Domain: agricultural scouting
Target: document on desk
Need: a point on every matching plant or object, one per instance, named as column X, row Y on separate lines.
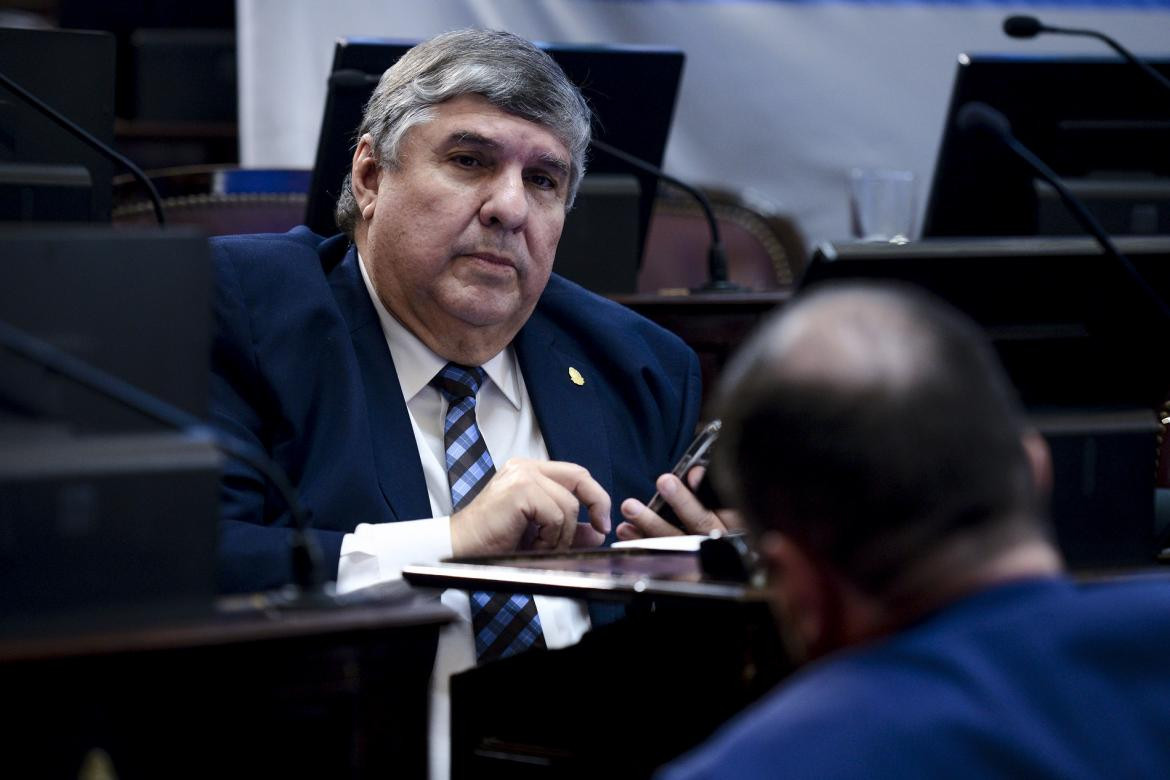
column 682, row 543
column 617, row 574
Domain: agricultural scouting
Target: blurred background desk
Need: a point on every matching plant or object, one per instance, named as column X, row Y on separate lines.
column 308, row 693
column 713, row 324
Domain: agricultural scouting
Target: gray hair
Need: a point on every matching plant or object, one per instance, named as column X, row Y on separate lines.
column 510, row 72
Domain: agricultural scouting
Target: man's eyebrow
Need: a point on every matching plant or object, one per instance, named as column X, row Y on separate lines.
column 471, row 138
column 556, row 163
column 474, row 139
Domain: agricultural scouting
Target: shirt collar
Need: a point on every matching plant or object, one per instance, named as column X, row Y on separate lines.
column 417, row 364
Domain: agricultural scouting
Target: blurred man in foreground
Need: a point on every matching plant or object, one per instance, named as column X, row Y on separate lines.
column 883, row 462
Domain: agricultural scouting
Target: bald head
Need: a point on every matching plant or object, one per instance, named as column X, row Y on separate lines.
column 870, row 424
column 852, row 339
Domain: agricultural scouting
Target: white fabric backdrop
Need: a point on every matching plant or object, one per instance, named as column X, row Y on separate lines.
column 779, row 97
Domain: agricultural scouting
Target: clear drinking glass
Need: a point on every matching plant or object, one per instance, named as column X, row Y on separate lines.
column 881, row 204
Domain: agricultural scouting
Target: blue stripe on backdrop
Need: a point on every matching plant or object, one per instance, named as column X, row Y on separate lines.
column 1153, row 5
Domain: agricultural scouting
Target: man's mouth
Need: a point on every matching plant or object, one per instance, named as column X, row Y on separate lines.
column 492, row 258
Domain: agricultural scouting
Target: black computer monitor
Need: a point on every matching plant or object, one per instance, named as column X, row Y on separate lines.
column 631, row 89
column 134, row 303
column 1072, row 329
column 105, row 514
column 46, row 173
column 1101, row 124
column 1084, row 348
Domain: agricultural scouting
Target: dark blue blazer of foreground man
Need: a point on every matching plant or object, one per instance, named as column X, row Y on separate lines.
column 300, row 368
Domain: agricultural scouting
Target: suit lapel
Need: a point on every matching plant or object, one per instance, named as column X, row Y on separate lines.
column 572, row 420
column 396, row 459
column 571, row 417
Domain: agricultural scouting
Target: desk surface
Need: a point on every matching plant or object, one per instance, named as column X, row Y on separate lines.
column 609, row 574
column 232, row 622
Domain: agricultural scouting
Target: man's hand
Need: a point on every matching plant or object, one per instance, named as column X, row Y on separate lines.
column 641, row 521
column 544, row 494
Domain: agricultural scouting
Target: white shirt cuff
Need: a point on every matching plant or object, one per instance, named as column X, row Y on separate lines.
column 376, row 552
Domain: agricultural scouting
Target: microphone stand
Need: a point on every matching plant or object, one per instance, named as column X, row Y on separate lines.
column 717, row 280
column 980, row 117
column 87, row 137
column 1030, row 27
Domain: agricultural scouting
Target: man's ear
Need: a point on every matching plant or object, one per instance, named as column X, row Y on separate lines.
column 1039, row 460
column 365, row 176
column 797, row 592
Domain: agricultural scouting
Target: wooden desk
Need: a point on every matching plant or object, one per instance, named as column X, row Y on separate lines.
column 314, row 693
column 691, row 652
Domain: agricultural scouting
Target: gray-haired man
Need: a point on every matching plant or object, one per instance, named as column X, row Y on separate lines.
column 426, row 382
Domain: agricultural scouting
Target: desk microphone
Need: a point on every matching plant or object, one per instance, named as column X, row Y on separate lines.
column 1030, row 27
column 717, row 280
column 88, row 138
column 978, row 117
column 307, row 567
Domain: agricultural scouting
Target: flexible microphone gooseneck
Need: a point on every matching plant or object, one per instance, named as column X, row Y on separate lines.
column 1030, row 27
column 100, row 146
column 717, row 280
column 981, row 118
column 307, row 565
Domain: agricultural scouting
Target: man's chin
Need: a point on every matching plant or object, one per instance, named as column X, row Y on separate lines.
column 485, row 311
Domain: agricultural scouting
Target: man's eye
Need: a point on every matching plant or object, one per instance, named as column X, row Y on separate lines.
column 466, row 161
column 542, row 181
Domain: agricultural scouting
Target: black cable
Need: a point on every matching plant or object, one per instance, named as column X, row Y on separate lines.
column 717, row 280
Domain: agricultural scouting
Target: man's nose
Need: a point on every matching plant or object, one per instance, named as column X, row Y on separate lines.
column 505, row 201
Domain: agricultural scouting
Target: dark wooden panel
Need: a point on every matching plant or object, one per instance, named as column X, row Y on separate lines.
column 314, row 693
column 712, row 324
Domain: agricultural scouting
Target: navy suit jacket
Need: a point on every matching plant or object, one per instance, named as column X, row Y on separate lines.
column 1030, row 679
column 300, row 369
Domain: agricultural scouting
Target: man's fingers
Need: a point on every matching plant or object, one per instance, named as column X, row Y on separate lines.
column 696, row 518
column 588, row 491
column 641, row 521
column 645, row 520
column 576, row 487
column 526, row 496
column 628, row 532
column 546, row 507
column 585, row 535
column 732, row 519
column 568, row 528
column 558, row 531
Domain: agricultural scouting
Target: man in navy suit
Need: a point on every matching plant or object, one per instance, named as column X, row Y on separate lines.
column 880, row 455
column 468, row 157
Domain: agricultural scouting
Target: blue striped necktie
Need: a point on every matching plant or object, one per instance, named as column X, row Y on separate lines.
column 504, row 624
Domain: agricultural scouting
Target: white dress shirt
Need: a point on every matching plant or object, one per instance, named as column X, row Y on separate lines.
column 376, row 553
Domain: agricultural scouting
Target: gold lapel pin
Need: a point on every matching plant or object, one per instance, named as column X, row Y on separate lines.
column 576, row 377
